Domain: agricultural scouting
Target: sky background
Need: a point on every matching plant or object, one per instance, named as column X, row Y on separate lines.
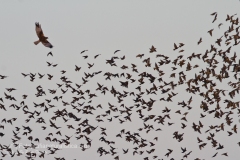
column 101, row 27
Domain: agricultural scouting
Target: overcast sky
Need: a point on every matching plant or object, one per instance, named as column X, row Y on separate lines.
column 101, row 27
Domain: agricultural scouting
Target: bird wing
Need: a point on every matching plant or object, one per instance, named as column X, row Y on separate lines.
column 47, row 44
column 39, row 30
column 51, row 122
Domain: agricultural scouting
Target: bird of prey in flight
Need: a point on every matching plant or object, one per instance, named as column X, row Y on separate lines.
column 41, row 36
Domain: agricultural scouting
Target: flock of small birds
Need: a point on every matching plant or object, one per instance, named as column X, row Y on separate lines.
column 85, row 115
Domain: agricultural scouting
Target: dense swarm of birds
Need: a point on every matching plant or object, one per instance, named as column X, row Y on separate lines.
column 71, row 113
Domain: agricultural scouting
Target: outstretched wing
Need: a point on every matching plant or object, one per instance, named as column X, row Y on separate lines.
column 47, row 44
column 39, row 30
column 52, row 124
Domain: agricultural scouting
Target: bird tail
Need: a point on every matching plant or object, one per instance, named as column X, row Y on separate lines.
column 36, row 42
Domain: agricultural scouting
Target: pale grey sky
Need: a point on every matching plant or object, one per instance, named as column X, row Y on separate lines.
column 101, row 27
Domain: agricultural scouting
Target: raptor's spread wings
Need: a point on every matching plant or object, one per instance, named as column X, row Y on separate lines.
column 39, row 30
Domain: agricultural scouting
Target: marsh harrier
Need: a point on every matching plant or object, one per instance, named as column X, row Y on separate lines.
column 41, row 36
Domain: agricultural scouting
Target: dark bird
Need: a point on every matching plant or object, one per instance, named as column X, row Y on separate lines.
column 140, row 55
column 53, row 125
column 2, row 134
column 90, row 65
column 152, row 49
column 210, row 32
column 215, row 155
column 50, row 54
column 96, row 56
column 83, row 51
column 77, row 68
column 175, row 47
column 183, row 150
column 225, row 154
column 2, row 77
column 116, row 51
column 125, row 151
column 200, row 41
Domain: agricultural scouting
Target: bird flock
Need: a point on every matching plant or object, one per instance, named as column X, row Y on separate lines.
column 136, row 110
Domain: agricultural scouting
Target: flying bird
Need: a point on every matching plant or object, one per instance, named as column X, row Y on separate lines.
column 152, row 49
column 41, row 37
column 50, row 53
column 116, row 51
